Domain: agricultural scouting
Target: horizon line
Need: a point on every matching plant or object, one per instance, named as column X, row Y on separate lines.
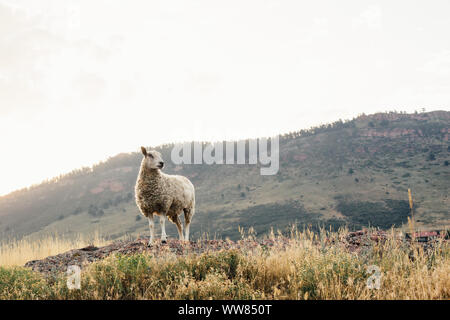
column 107, row 158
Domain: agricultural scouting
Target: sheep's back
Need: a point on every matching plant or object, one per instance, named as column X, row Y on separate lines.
column 181, row 189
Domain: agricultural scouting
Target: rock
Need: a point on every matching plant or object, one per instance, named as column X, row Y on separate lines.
column 84, row 256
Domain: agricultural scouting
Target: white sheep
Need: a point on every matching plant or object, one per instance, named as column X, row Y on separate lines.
column 164, row 195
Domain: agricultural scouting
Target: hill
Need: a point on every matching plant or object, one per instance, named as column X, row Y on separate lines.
column 353, row 173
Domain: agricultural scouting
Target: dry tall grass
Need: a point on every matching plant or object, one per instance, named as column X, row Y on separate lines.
column 18, row 252
column 306, row 270
column 309, row 267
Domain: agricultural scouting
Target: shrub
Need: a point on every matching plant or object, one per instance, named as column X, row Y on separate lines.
column 20, row 283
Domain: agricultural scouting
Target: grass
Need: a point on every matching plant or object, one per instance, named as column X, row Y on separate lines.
column 305, row 269
column 18, row 252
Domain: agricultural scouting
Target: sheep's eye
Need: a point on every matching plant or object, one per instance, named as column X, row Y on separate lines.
column 150, row 155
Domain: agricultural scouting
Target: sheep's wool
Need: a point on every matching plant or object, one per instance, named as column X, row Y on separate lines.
column 163, row 194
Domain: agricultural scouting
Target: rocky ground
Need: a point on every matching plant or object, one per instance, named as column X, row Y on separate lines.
column 353, row 241
column 84, row 256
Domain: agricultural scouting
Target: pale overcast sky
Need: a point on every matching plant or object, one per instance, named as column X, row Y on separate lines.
column 84, row 80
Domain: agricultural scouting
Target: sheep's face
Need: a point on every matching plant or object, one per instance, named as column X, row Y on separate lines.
column 152, row 158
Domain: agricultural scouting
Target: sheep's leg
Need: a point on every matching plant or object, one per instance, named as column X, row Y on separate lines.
column 186, row 231
column 188, row 213
column 151, row 226
column 162, row 221
column 180, row 228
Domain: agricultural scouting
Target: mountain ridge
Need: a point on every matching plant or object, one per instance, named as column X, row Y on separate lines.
column 375, row 158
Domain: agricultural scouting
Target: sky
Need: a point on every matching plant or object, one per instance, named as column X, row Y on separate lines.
column 81, row 81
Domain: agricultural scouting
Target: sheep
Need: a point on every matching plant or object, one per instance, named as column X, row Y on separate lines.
column 164, row 195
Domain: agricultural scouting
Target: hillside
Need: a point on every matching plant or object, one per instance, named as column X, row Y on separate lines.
column 351, row 173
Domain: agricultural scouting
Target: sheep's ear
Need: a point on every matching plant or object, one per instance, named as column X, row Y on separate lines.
column 144, row 151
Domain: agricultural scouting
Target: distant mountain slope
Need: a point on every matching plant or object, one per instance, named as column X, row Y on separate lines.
column 347, row 173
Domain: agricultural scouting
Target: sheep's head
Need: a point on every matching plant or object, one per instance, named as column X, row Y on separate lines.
column 152, row 158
